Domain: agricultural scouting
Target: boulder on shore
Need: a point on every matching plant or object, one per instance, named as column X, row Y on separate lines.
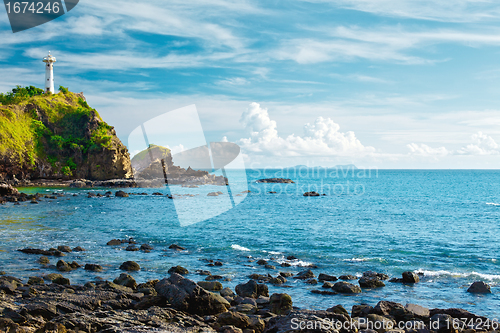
column 185, row 295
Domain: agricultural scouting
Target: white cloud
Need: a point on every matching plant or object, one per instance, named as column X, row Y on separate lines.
column 321, row 138
column 437, row 10
column 425, row 150
column 482, row 144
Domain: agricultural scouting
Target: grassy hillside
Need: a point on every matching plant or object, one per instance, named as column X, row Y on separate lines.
column 57, row 135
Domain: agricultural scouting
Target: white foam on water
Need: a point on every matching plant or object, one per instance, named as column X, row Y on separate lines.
column 296, row 262
column 271, row 252
column 489, row 277
column 493, row 204
column 239, row 248
column 364, row 259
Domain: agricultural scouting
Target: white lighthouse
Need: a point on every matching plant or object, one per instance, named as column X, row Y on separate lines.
column 49, row 73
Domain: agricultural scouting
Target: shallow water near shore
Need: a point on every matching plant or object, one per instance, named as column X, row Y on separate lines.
column 444, row 224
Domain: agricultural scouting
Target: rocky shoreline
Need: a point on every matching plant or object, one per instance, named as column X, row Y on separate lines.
column 49, row 302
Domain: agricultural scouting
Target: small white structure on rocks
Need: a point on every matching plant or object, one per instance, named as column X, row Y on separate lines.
column 49, row 73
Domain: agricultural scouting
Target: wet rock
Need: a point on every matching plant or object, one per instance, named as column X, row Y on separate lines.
column 8, row 285
column 178, row 270
column 146, row 247
column 64, row 248
column 45, row 310
column 270, row 266
column 311, row 194
column 418, row 311
column 51, row 327
column 381, row 323
column 479, row 287
column 121, row 194
column 326, row 277
column 35, row 280
column 227, row 292
column 214, row 277
column 62, row 281
column 370, row 282
column 380, row 276
column 63, row 266
column 218, row 263
column 132, row 248
column 281, row 304
column 114, row 242
column 252, row 289
column 235, row 319
column 327, row 285
column 286, row 274
column 44, row 260
column 126, row 280
column 211, row 285
column 93, row 267
column 278, row 280
column 176, row 247
column 262, row 262
column 130, row 266
column 338, row 309
column 361, row 310
column 311, row 281
column 347, row 277
column 307, row 274
column 346, row 288
column 186, row 295
column 410, row 277
column 52, row 276
column 75, row 265
column 79, row 249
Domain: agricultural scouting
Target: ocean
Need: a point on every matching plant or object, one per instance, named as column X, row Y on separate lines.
column 444, row 224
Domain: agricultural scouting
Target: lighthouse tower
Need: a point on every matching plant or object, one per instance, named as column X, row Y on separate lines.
column 49, row 73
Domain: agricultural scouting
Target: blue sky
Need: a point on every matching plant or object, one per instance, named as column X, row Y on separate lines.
column 378, row 83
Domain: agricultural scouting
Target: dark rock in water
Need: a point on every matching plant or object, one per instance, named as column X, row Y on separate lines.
column 227, row 292
column 327, row 285
column 380, row 276
column 311, row 281
column 286, row 274
column 326, row 277
column 114, row 242
column 213, row 277
column 93, row 267
column 346, row 288
column 262, row 262
column 347, row 277
column 304, row 275
column 63, row 266
column 291, row 258
column 178, row 270
column 218, row 263
column 270, row 266
column 35, row 280
column 75, row 265
column 311, row 194
column 275, row 180
column 125, row 280
column 210, row 285
column 479, row 287
column 252, row 289
column 132, row 248
column 410, row 277
column 79, row 249
column 285, row 264
column 281, row 304
column 121, row 194
column 203, row 272
column 146, row 247
column 130, row 266
column 51, row 252
column 176, row 247
column 278, row 280
column 386, row 308
column 186, row 295
column 52, row 276
column 44, row 260
column 62, row 281
column 370, row 282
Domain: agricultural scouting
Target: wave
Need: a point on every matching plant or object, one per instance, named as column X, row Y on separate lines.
column 272, row 252
column 296, row 262
column 493, row 204
column 365, row 259
column 239, row 248
column 489, row 277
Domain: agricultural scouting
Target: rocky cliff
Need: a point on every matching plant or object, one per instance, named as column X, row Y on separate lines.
column 57, row 136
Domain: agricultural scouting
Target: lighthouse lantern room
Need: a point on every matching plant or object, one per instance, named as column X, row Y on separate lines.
column 49, row 73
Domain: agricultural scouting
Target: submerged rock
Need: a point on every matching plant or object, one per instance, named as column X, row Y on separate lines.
column 130, row 266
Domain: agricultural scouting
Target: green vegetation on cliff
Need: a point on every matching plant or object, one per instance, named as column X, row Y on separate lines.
column 53, row 135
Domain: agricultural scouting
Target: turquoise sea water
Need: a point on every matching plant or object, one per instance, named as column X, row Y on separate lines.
column 445, row 224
